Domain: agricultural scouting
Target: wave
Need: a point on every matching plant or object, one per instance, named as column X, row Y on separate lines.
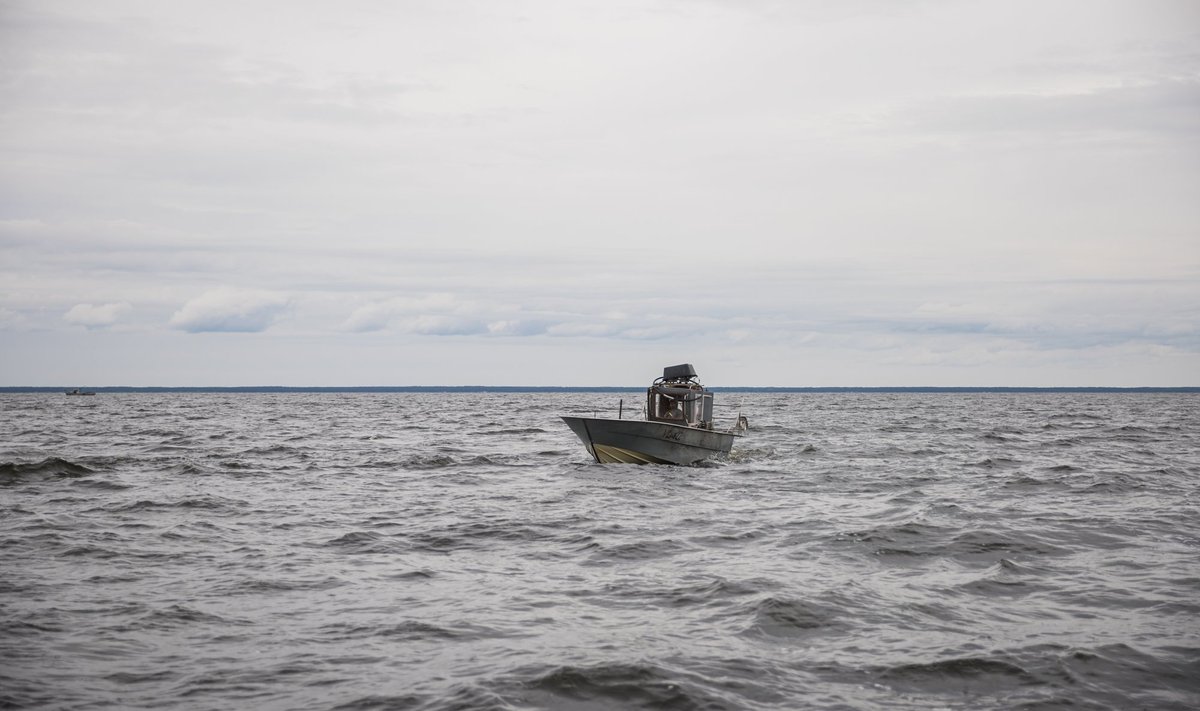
column 907, row 538
column 514, row 431
column 48, row 468
column 113, row 579
column 714, row 591
column 275, row 451
column 398, row 702
column 460, row 537
column 156, row 432
column 409, row 630
column 259, row 586
column 1004, row 578
column 1064, row 468
column 616, row 685
column 787, row 617
column 1114, row 483
column 91, row 551
column 415, row 575
column 102, row 485
column 995, row 436
column 998, row 463
column 1172, row 670
column 1076, row 416
column 209, row 503
column 1034, row 484
column 131, row 678
column 19, row 692
column 428, row 461
column 1112, row 676
column 10, row 629
column 639, row 550
column 728, row 539
column 188, row 469
column 921, row 540
column 962, row 675
column 988, row 543
column 181, row 615
column 364, row 542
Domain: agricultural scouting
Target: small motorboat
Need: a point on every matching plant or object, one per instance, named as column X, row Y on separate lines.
column 77, row 391
column 677, row 429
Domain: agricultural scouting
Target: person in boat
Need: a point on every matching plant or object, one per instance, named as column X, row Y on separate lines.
column 672, row 411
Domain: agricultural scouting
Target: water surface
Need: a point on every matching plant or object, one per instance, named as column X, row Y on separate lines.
column 441, row 551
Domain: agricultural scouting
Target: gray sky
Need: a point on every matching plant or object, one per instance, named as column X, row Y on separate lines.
column 551, row 192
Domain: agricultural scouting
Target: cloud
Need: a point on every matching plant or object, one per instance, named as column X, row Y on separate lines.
column 95, row 316
column 230, row 310
column 1165, row 109
column 447, row 314
column 372, row 317
column 447, row 326
column 378, row 315
column 9, row 318
column 517, row 328
column 582, row 330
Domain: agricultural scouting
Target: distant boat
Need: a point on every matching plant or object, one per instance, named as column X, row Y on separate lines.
column 77, row 391
column 678, row 428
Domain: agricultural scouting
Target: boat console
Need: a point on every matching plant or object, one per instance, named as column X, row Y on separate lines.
column 677, row 397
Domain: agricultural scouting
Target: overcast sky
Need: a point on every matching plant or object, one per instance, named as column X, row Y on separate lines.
column 551, row 192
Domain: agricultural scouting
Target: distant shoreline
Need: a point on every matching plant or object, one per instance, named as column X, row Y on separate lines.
column 116, row 389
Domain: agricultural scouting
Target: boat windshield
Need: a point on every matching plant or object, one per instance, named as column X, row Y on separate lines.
column 689, row 404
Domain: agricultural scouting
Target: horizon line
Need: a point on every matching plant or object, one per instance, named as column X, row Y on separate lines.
column 17, row 389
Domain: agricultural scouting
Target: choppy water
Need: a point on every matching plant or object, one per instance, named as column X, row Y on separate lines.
column 426, row 551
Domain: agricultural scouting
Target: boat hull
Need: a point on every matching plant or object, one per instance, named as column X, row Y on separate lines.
column 639, row 442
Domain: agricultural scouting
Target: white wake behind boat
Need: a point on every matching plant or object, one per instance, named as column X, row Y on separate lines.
column 678, row 427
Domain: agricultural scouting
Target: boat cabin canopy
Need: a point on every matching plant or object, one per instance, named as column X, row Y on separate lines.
column 676, row 397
